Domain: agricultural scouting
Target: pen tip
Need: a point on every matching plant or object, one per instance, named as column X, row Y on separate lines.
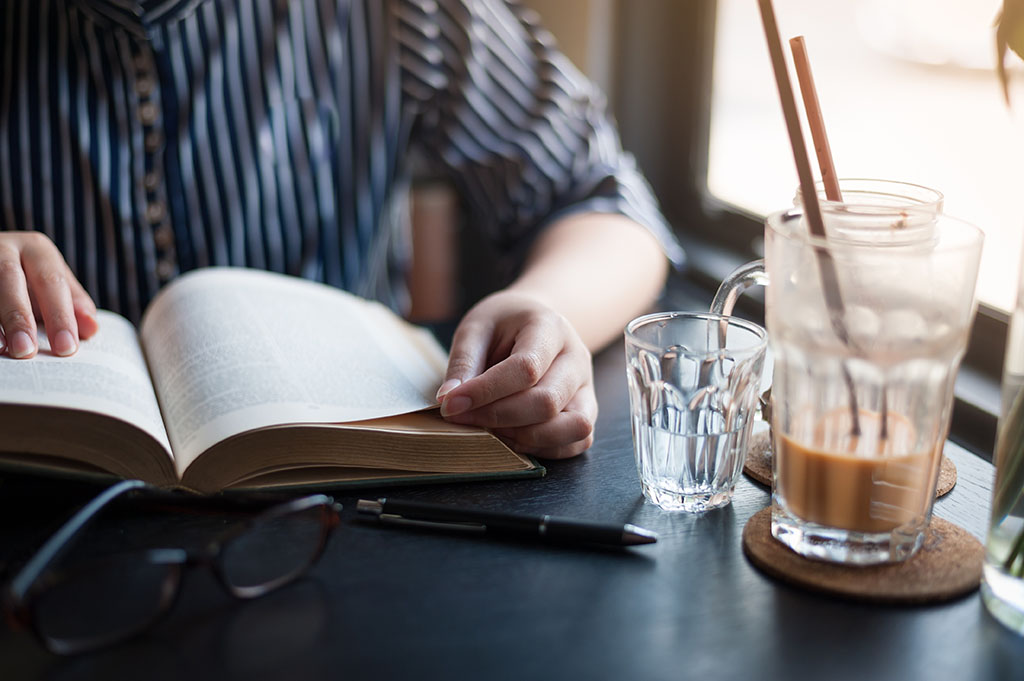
column 631, row 534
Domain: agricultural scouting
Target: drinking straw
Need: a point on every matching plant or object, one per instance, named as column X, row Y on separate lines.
column 796, row 135
column 812, row 209
column 815, row 120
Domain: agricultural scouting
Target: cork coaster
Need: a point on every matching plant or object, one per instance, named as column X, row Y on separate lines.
column 946, row 567
column 758, row 464
column 947, row 476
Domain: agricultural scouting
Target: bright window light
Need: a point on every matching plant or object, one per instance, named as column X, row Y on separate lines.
column 908, row 91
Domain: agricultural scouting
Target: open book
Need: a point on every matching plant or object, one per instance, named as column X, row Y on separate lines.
column 239, row 379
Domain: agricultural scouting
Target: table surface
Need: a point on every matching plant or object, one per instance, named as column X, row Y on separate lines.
column 390, row 603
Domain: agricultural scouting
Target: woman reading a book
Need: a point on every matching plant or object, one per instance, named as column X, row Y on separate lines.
column 137, row 144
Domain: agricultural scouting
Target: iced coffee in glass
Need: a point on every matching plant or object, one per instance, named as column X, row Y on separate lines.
column 867, row 328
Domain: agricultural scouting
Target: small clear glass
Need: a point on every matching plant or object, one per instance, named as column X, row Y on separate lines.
column 693, row 382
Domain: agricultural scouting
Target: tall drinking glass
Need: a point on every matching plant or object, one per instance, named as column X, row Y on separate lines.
column 867, row 328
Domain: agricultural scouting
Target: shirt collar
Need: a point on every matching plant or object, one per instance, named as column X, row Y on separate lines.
column 138, row 16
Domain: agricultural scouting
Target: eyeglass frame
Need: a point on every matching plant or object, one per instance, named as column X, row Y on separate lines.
column 33, row 580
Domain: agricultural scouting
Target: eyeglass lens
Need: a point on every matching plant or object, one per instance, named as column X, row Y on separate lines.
column 272, row 551
column 105, row 602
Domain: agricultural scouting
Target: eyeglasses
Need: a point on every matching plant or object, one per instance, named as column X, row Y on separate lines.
column 111, row 599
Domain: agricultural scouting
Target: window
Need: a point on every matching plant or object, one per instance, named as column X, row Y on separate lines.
column 908, row 90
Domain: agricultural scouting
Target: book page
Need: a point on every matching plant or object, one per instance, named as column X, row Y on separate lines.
column 107, row 375
column 233, row 350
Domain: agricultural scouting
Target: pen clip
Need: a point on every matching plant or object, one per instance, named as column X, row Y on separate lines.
column 394, row 519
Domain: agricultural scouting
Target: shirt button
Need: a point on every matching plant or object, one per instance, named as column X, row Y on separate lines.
column 155, row 212
column 164, row 269
column 151, row 181
column 148, row 113
column 144, row 86
column 154, row 140
column 163, row 237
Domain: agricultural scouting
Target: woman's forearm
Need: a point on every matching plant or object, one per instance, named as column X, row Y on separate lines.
column 598, row 270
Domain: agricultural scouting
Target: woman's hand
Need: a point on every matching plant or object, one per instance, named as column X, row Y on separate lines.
column 36, row 282
column 519, row 368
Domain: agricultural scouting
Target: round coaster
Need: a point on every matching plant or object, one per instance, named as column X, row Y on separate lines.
column 947, row 566
column 758, row 464
column 947, row 476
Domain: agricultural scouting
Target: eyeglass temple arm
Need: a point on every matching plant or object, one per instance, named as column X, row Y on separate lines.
column 58, row 544
column 225, row 502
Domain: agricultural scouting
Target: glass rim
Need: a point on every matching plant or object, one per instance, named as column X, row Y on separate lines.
column 759, row 332
column 916, row 195
column 952, row 233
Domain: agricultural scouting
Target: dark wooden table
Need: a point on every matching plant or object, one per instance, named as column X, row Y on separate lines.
column 388, row 603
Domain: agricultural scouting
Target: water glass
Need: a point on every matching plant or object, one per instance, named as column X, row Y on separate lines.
column 693, row 382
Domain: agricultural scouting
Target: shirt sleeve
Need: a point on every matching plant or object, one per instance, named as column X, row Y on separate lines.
column 524, row 136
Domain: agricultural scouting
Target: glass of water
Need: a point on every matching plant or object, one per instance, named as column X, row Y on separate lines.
column 693, row 382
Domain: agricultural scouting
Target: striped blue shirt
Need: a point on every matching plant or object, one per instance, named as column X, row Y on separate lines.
column 150, row 137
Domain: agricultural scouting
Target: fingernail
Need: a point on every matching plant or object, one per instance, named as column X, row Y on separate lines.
column 447, row 387
column 63, row 344
column 456, row 405
column 21, row 345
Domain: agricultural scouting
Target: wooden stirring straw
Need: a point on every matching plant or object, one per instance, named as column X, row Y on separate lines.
column 814, row 118
column 812, row 209
column 796, row 134
column 816, row 122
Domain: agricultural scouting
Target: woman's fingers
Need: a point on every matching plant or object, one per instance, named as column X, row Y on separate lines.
column 36, row 281
column 534, row 349
column 537, row 403
column 570, row 433
column 49, row 285
column 468, row 355
column 85, row 308
column 19, row 325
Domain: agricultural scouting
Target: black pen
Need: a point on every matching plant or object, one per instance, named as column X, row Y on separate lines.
column 438, row 516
